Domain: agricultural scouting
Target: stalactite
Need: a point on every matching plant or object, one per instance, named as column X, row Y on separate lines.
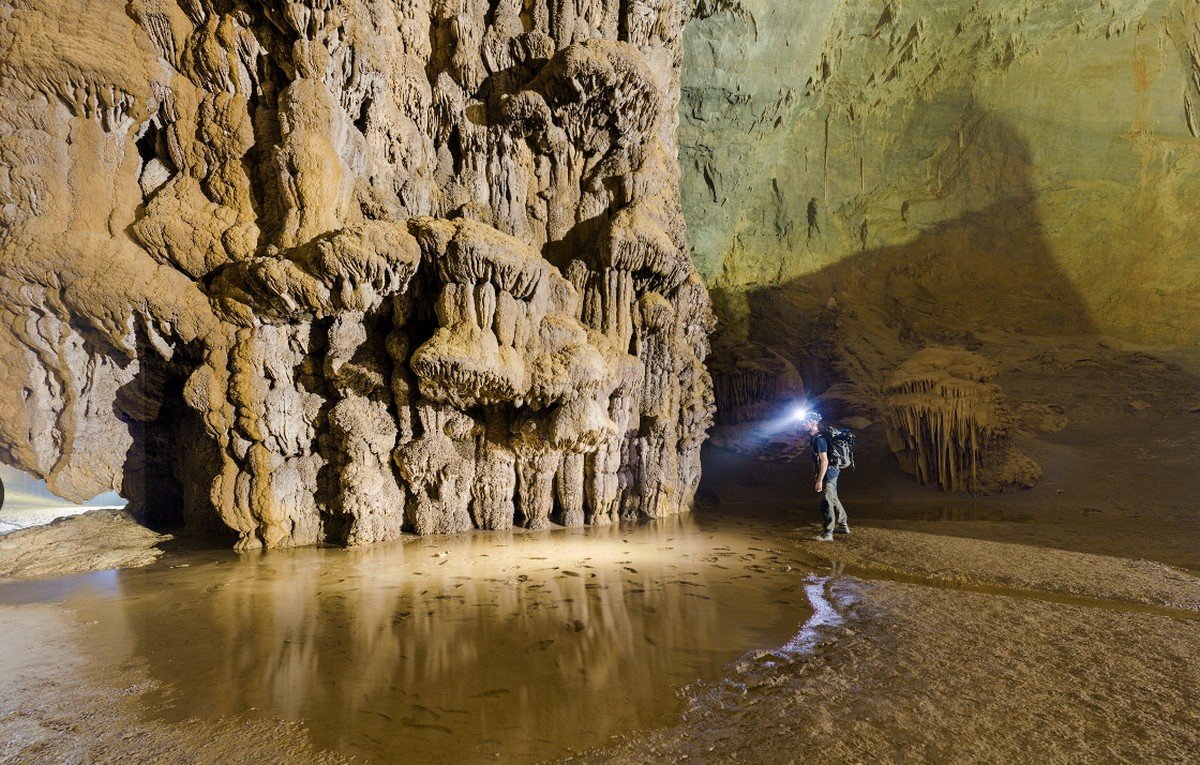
column 948, row 424
column 419, row 266
column 750, row 382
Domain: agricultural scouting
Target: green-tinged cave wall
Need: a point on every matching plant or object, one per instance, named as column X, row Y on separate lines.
column 930, row 210
column 943, row 169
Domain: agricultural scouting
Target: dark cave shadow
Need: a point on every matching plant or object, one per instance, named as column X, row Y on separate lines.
column 991, row 268
column 166, row 470
column 973, row 281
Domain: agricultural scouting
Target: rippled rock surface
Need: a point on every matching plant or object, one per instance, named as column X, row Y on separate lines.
column 341, row 269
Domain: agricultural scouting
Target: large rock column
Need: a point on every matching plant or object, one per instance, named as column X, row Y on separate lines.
column 367, row 267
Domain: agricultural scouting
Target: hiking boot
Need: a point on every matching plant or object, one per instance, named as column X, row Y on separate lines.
column 843, row 529
column 826, row 537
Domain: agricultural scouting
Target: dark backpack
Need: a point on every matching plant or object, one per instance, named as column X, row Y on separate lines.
column 841, row 447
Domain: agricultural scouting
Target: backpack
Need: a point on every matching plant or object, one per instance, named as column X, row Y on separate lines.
column 841, row 446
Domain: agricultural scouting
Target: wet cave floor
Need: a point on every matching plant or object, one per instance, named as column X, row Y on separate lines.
column 941, row 630
column 497, row 646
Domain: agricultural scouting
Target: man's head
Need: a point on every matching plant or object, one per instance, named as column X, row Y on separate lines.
column 811, row 424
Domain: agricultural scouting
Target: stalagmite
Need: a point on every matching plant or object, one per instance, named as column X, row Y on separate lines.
column 369, row 267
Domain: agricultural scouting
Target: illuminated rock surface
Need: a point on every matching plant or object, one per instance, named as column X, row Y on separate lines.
column 93, row 541
column 334, row 271
column 863, row 178
column 949, row 425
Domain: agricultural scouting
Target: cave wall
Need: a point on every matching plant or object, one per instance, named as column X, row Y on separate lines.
column 340, row 269
column 911, row 171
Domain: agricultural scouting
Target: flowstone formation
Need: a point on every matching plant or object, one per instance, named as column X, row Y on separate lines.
column 948, row 424
column 337, row 270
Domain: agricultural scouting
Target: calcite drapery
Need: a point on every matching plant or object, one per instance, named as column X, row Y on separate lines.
column 947, row 423
column 752, row 381
column 336, row 269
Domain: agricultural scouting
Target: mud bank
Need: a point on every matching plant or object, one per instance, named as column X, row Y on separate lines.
column 1008, row 568
column 92, row 541
column 952, row 641
column 924, row 674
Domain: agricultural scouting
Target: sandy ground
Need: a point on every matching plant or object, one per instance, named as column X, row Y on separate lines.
column 1007, row 568
column 1056, row 625
column 951, row 649
column 927, row 675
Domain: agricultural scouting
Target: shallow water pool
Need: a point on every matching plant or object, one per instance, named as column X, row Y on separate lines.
column 493, row 646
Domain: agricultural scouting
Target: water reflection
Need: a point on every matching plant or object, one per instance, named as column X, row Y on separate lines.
column 509, row 645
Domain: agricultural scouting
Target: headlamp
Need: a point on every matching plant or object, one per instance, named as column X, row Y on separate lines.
column 802, row 413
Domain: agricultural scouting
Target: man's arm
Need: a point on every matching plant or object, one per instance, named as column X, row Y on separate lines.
column 822, row 466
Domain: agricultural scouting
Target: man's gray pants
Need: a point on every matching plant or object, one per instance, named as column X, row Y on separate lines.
column 832, row 511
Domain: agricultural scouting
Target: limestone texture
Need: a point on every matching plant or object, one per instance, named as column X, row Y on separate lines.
column 948, row 423
column 336, row 270
column 751, row 381
column 1013, row 164
column 867, row 178
column 93, row 541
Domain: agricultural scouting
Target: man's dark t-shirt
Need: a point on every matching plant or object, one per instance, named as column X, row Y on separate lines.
column 819, row 444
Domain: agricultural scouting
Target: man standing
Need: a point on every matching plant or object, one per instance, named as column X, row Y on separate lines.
column 833, row 514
